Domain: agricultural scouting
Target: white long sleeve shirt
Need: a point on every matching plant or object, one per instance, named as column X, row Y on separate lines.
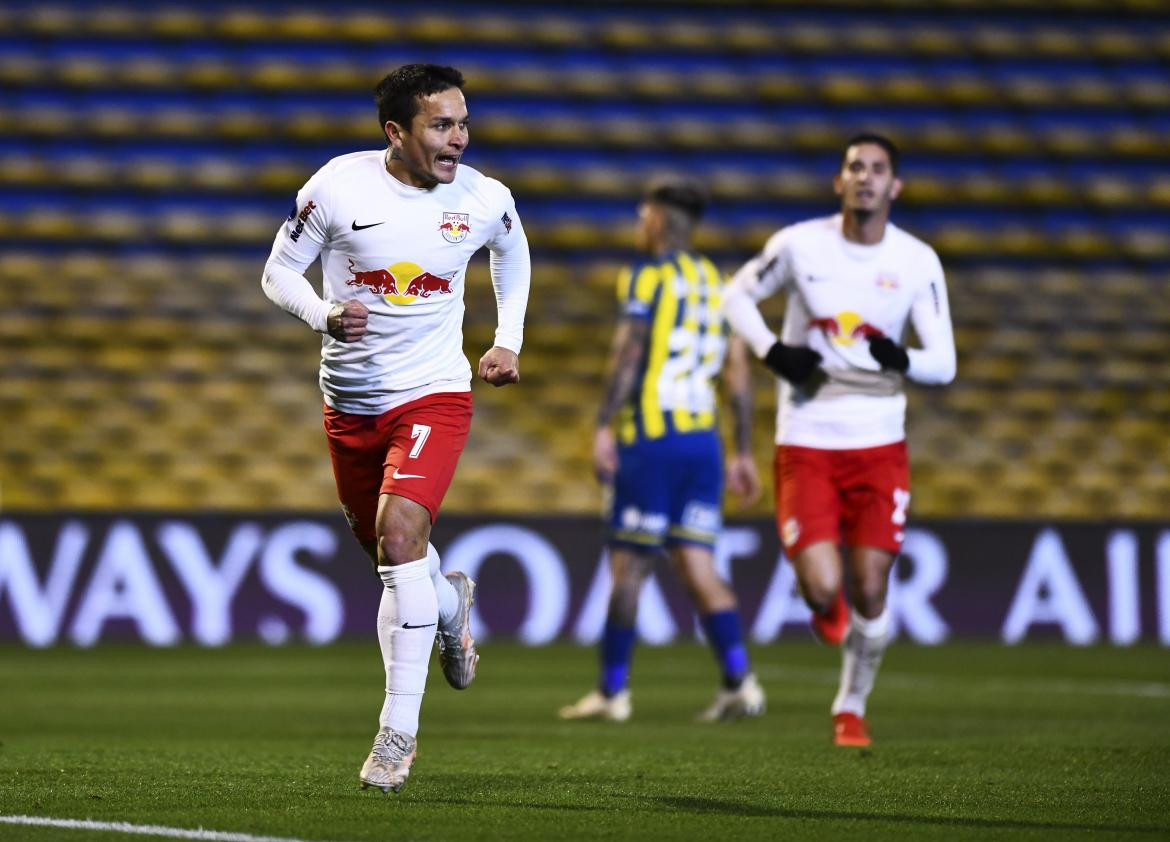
column 839, row 293
column 403, row 252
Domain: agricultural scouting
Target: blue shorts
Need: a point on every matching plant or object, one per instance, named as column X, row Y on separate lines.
column 667, row 491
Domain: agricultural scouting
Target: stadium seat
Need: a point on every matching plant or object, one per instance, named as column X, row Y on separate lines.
column 1035, row 164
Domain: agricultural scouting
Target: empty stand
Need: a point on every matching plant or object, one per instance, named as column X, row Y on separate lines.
column 149, row 153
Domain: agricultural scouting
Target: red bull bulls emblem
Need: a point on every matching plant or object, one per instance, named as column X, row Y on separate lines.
column 401, row 283
column 455, row 227
column 845, row 328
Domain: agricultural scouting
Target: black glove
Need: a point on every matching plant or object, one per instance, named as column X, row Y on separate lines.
column 889, row 353
column 794, row 363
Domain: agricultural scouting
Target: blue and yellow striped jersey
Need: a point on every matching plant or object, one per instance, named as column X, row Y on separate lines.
column 680, row 296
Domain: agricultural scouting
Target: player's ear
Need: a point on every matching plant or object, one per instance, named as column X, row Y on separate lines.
column 838, row 187
column 655, row 219
column 895, row 188
column 394, row 133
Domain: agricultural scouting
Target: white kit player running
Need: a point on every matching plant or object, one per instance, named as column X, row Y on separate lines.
column 394, row 229
column 842, row 475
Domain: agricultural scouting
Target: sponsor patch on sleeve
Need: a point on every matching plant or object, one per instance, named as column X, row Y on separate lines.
column 767, row 268
column 301, row 218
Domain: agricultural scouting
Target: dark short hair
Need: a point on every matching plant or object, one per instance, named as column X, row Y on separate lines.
column 397, row 95
column 684, row 194
column 878, row 140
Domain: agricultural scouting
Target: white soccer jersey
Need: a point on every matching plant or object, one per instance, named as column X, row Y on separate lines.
column 403, row 252
column 839, row 293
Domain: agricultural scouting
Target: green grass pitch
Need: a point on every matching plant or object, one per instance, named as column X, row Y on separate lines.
column 972, row 741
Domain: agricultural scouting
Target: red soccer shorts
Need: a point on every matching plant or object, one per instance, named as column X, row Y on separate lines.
column 859, row 496
column 410, row 450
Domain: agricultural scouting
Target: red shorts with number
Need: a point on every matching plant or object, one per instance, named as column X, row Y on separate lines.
column 410, row 450
column 857, row 497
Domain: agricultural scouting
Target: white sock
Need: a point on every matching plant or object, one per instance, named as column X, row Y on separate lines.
column 407, row 616
column 444, row 591
column 861, row 655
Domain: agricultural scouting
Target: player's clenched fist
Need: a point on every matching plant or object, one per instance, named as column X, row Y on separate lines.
column 499, row 366
column 794, row 363
column 347, row 321
column 889, row 353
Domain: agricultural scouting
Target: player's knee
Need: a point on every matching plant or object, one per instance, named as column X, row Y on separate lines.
column 695, row 581
column 700, row 578
column 869, row 596
column 399, row 547
column 630, row 566
column 629, row 570
column 819, row 591
column 627, row 581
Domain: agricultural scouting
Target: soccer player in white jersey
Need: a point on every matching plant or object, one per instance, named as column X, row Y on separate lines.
column 394, row 229
column 842, row 475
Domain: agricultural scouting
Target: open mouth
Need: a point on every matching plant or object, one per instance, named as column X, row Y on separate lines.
column 447, row 162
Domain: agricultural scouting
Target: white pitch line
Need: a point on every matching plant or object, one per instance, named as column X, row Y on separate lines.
column 145, row 829
column 909, row 681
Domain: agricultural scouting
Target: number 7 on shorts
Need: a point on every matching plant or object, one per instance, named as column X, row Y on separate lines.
column 419, row 432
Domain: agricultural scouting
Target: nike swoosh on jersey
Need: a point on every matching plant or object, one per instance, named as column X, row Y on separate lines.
column 420, row 626
column 357, row 227
column 397, row 475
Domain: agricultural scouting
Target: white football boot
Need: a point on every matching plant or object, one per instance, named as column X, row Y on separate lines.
column 596, row 705
column 388, row 765
column 745, row 700
column 457, row 655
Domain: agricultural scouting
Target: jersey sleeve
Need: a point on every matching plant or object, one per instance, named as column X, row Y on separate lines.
column 507, row 223
column 637, row 287
column 770, row 271
column 511, row 270
column 930, row 314
column 306, row 230
column 761, row 277
column 298, row 243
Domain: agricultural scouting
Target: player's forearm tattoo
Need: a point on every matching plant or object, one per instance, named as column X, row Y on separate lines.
column 741, row 405
column 623, row 372
column 618, row 390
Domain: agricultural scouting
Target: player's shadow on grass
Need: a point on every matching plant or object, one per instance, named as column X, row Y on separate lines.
column 733, row 808
column 694, row 804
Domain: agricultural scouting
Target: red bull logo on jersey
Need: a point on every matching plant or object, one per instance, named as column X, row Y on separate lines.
column 845, row 328
column 402, row 283
column 888, row 283
column 455, row 227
